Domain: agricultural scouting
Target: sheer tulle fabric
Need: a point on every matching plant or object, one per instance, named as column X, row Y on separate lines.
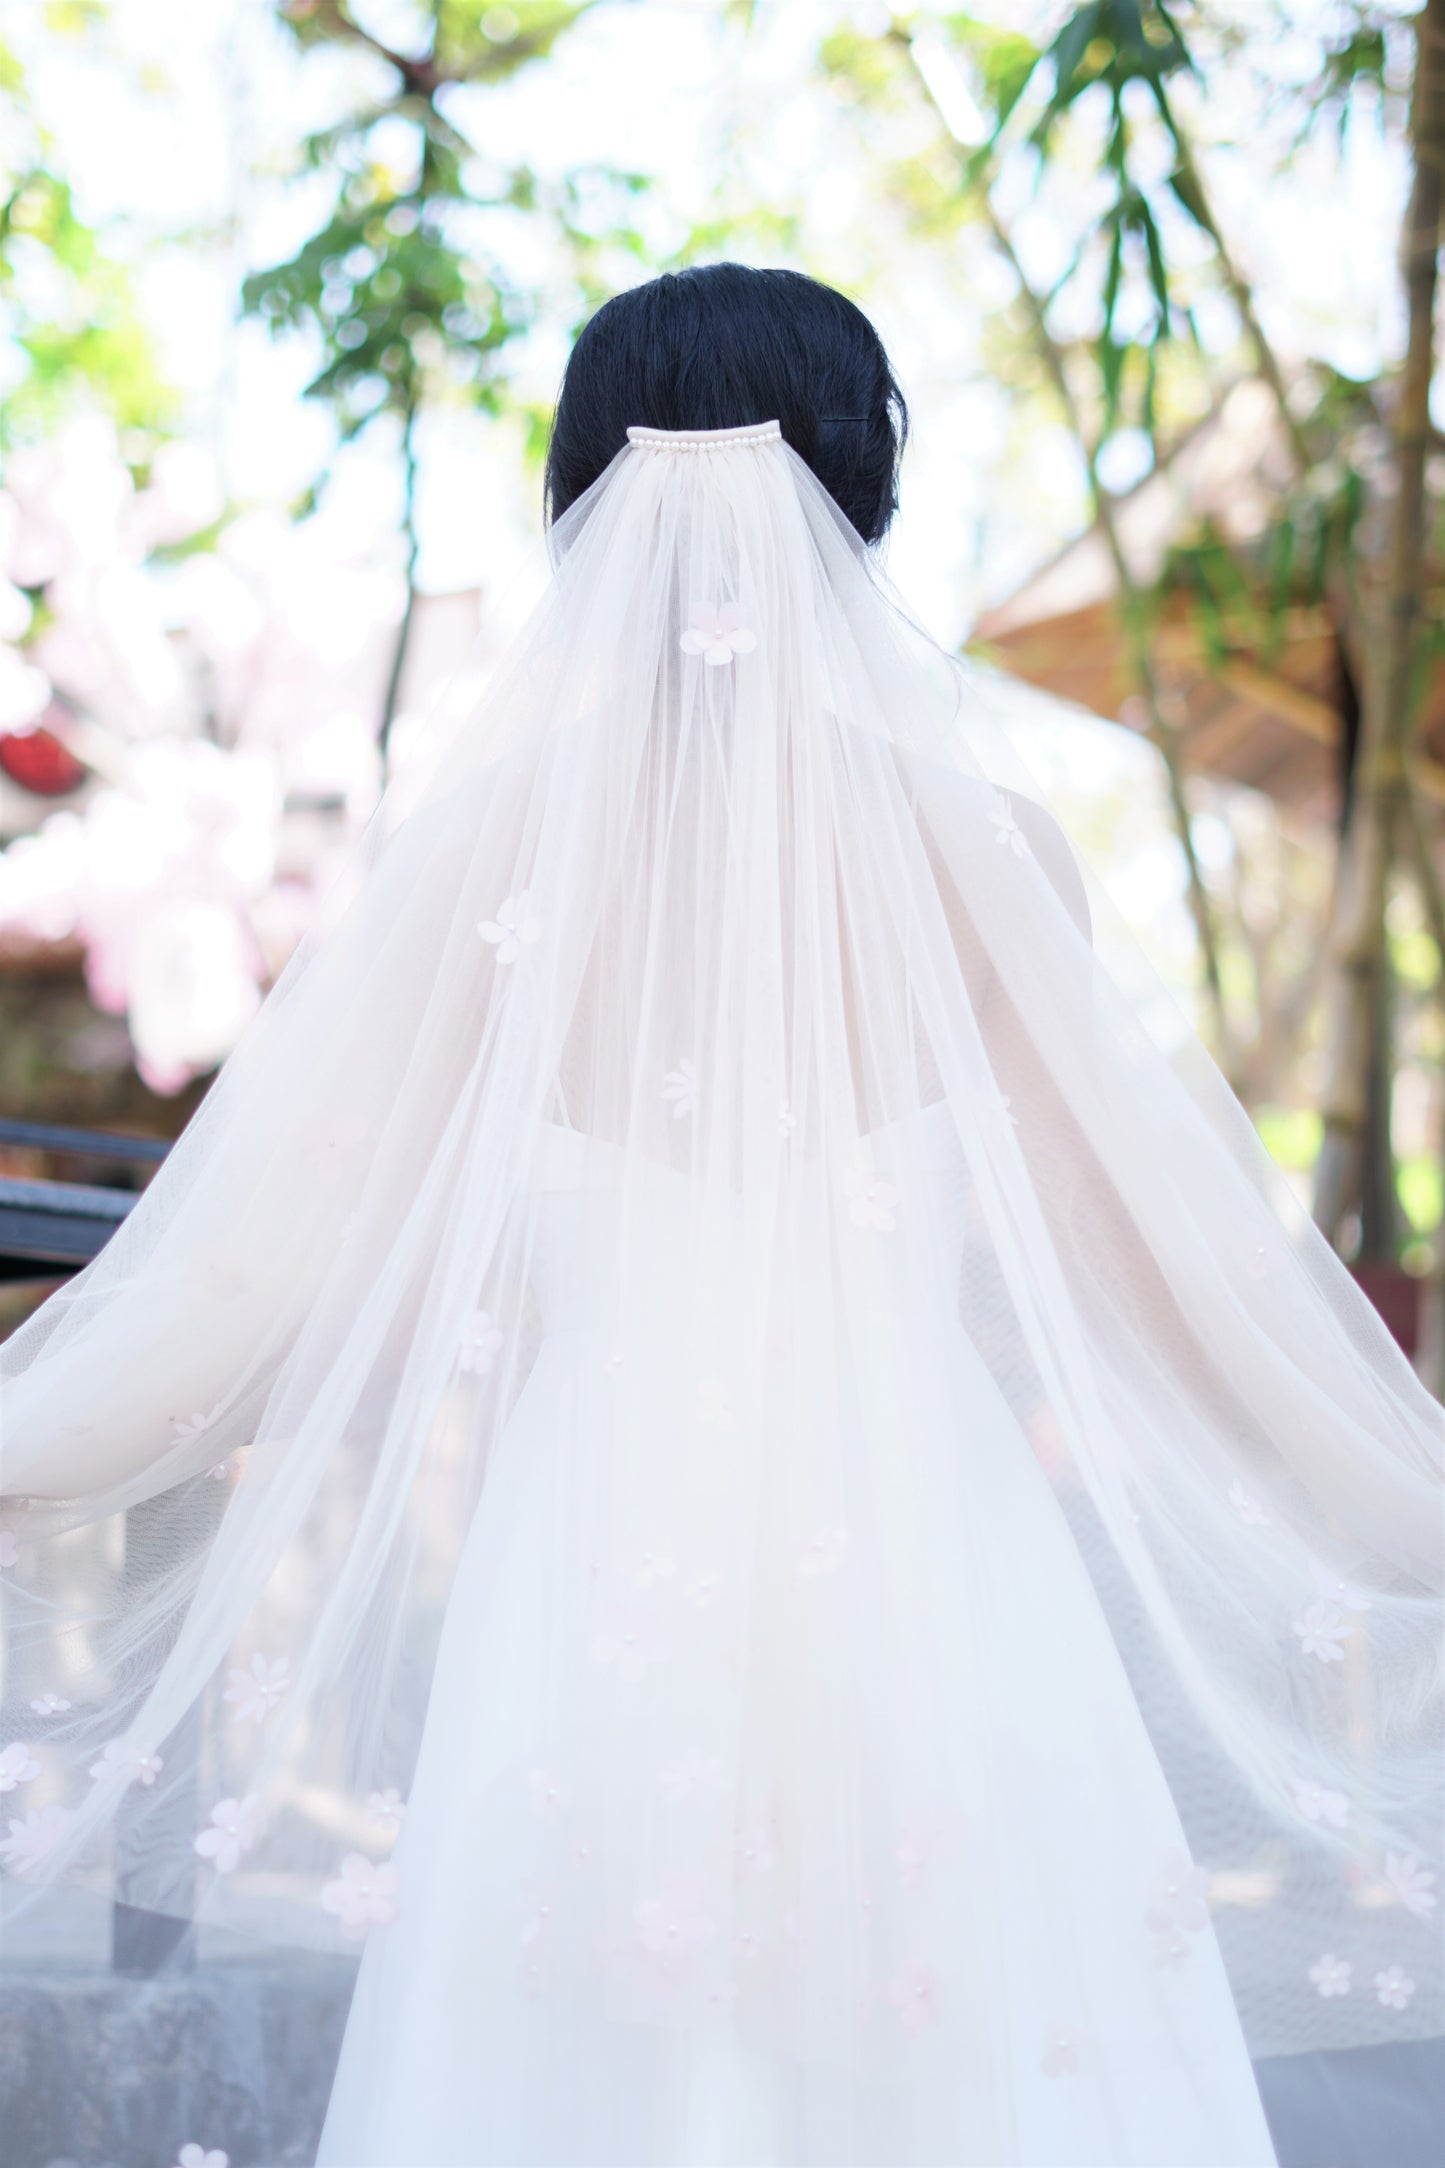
column 720, row 1453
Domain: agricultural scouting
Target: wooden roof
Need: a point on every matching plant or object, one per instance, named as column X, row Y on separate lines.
column 1274, row 720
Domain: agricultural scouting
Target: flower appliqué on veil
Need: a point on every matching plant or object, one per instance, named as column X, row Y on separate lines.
column 673, row 1925
column 718, row 635
column 1330, row 1975
column 17, row 1765
column 1412, row 1883
column 199, row 2156
column 1176, row 1907
column 139, row 1765
column 1318, row 1804
column 34, row 1836
column 363, row 1895
column 871, row 1202
column 1061, row 2051
column 1394, row 1987
column 1322, row 1632
column 679, row 1089
column 1006, row 829
column 913, row 1993
column 232, row 1832
column 482, row 1341
column 515, row 927
column 255, row 1691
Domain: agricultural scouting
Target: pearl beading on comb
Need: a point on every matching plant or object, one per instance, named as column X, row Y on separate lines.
column 704, row 440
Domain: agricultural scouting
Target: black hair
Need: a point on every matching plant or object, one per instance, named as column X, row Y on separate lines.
column 722, row 345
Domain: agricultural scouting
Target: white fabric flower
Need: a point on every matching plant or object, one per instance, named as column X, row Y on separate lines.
column 186, row 1427
column 1006, row 829
column 718, row 635
column 1394, row 1987
column 49, row 1704
column 1062, row 2047
column 871, row 1201
column 139, row 1765
column 787, row 1119
column 232, row 1832
column 679, row 1088
column 482, row 1342
column 1322, row 1631
column 363, row 1895
column 34, row 1836
column 1176, row 1907
column 515, row 927
column 913, row 1993
column 704, row 1588
column 653, row 1568
column 823, row 1553
column 1331, row 1975
column 1412, row 1883
column 197, row 2156
column 224, row 1468
column 757, row 1852
column 630, row 1645
column 17, row 1765
column 1249, row 1509
column 1336, row 1590
column 549, row 1793
column 386, row 1810
column 1318, row 1804
column 256, row 1690
column 673, row 1925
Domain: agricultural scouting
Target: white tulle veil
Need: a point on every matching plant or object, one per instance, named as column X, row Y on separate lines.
column 724, row 1022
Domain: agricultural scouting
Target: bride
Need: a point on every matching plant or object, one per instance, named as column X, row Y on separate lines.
column 719, row 1465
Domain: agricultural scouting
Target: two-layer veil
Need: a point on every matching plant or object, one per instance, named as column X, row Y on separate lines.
column 951, row 1563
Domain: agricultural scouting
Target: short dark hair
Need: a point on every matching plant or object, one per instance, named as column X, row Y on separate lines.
column 721, row 345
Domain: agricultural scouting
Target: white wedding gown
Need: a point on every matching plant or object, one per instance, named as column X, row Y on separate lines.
column 1014, row 2003
column 721, row 1342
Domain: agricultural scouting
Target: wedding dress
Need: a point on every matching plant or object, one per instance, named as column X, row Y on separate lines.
column 720, row 1454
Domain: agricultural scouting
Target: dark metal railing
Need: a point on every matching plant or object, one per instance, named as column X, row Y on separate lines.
column 48, row 1228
